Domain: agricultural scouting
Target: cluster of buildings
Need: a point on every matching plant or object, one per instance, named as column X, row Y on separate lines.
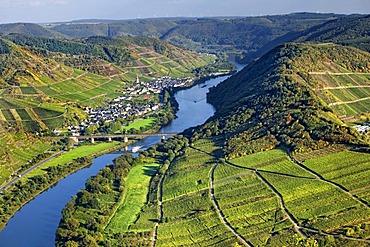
column 362, row 129
column 118, row 109
column 156, row 86
column 123, row 106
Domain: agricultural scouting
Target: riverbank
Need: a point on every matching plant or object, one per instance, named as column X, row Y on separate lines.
column 48, row 174
column 45, row 210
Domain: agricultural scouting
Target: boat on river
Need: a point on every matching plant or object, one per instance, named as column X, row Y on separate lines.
column 135, row 149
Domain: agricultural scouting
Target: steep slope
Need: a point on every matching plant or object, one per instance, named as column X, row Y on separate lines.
column 139, row 53
column 43, row 80
column 274, row 102
column 233, row 35
column 45, row 84
column 350, row 30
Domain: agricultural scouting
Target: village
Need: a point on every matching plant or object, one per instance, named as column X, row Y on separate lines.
column 125, row 107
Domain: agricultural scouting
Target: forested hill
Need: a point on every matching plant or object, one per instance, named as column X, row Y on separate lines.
column 274, row 101
column 353, row 30
column 29, row 29
column 232, row 35
column 99, row 55
column 350, row 30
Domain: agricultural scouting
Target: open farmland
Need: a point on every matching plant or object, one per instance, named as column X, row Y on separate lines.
column 319, row 204
column 349, row 169
column 134, row 197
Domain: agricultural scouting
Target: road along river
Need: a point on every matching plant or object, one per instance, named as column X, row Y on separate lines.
column 35, row 224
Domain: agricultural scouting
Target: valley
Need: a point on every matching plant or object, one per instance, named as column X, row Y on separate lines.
column 276, row 154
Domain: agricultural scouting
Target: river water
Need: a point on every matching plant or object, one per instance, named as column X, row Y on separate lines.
column 34, row 224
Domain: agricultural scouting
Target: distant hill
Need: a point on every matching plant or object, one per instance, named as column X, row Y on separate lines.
column 277, row 100
column 92, row 53
column 353, row 30
column 212, row 35
column 350, row 30
column 240, row 34
column 41, row 76
column 28, row 29
column 77, row 30
column 231, row 35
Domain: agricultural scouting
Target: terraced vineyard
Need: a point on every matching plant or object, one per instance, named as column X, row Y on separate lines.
column 265, row 199
column 17, row 150
column 347, row 93
column 268, row 198
column 35, row 80
column 45, row 84
column 188, row 212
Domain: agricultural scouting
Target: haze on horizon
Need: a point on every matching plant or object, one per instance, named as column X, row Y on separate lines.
column 44, row 11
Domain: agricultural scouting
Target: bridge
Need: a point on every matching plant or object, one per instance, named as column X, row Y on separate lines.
column 124, row 136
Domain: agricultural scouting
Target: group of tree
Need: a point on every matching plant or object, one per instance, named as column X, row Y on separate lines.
column 86, row 216
column 24, row 191
column 273, row 102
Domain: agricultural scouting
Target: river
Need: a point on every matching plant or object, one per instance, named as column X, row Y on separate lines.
column 35, row 223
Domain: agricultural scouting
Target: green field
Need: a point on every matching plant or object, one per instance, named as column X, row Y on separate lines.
column 141, row 123
column 81, row 151
column 347, row 168
column 189, row 216
column 251, row 207
column 264, row 199
column 134, row 198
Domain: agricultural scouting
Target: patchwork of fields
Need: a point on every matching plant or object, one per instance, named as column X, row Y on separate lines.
column 61, row 86
column 263, row 199
column 347, row 93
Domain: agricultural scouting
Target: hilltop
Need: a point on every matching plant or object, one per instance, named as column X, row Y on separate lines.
column 29, row 29
column 352, row 30
column 279, row 100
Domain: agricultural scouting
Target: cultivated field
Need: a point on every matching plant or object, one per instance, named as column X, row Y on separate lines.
column 347, row 93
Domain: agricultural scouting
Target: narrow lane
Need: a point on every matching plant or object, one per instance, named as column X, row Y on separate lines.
column 13, row 181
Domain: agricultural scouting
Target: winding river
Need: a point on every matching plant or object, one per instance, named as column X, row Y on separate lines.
column 34, row 225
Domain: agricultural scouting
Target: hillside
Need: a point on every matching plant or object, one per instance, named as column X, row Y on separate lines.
column 277, row 165
column 232, row 35
column 139, row 27
column 242, row 36
column 352, row 30
column 46, row 84
column 275, row 100
column 28, row 29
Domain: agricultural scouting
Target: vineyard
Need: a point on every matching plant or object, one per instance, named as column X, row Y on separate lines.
column 263, row 199
column 68, row 82
column 17, row 150
column 347, row 93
